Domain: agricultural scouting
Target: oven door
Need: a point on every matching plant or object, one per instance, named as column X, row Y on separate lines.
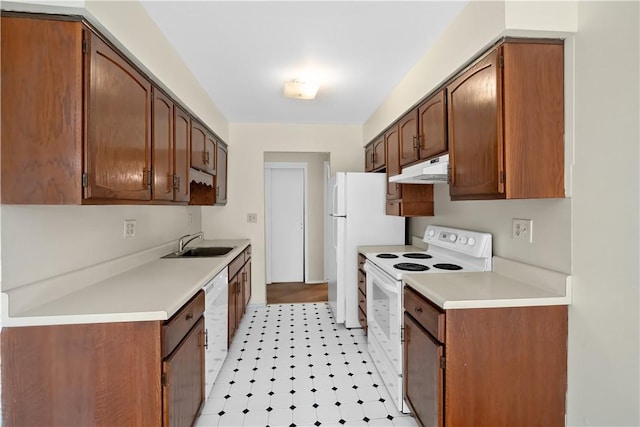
column 384, row 314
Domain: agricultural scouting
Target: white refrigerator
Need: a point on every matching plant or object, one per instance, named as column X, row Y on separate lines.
column 356, row 204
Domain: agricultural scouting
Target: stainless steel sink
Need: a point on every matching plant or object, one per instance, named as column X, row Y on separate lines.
column 202, row 252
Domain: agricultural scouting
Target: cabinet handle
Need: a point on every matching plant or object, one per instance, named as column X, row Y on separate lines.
column 419, row 309
column 189, row 316
column 217, row 191
column 204, row 157
column 206, row 339
column 415, row 142
column 176, row 182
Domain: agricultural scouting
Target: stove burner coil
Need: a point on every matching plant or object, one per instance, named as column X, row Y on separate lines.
column 417, row 256
column 386, row 256
column 410, row 266
column 446, row 266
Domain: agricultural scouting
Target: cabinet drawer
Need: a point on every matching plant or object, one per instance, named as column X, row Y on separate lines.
column 362, row 302
column 393, row 208
column 426, row 314
column 362, row 282
column 180, row 323
column 236, row 265
column 361, row 260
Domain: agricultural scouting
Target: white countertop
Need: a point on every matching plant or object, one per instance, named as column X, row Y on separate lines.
column 154, row 290
column 510, row 284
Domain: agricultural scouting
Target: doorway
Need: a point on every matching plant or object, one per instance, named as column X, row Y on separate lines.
column 312, row 287
column 285, row 215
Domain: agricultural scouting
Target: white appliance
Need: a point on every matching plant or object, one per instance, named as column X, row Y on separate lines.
column 450, row 251
column 357, row 210
column 216, row 312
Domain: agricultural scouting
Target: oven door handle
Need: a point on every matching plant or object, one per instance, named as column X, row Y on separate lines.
column 381, row 281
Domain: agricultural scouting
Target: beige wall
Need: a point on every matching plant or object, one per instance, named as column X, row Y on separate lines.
column 246, row 178
column 593, row 235
column 315, row 205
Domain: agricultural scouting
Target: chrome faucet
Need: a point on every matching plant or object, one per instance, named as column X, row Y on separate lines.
column 182, row 244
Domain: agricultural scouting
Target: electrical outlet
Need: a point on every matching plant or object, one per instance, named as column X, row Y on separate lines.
column 129, row 228
column 522, row 229
column 252, row 217
column 190, row 219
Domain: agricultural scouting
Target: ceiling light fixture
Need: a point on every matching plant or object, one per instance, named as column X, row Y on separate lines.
column 300, row 89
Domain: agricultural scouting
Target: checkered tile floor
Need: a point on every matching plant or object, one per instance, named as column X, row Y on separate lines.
column 291, row 365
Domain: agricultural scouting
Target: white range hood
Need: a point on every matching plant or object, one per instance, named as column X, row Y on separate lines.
column 432, row 171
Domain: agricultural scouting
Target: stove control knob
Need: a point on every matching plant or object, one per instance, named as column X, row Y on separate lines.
column 463, row 240
column 453, row 237
column 431, row 233
column 471, row 241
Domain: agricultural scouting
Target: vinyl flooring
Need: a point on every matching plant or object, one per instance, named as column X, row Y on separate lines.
column 286, row 293
column 292, row 365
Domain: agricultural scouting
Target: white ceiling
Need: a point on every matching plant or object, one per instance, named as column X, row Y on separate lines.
column 242, row 52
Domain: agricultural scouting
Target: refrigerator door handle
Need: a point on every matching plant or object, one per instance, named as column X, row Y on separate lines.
column 334, row 233
column 335, row 196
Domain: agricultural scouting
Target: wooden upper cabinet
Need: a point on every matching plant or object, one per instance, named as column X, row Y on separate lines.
column 118, row 124
column 203, row 147
column 475, row 142
column 368, row 157
column 432, row 121
column 210, row 154
column 163, row 129
column 408, row 134
column 181, row 157
column 392, row 147
column 41, row 111
column 374, row 153
column 221, row 174
column 379, row 156
column 506, row 124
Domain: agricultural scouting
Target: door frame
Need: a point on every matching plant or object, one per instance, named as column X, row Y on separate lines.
column 268, row 167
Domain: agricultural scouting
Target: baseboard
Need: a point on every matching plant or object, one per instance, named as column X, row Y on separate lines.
column 315, row 282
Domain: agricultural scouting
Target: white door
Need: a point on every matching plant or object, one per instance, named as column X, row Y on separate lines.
column 287, row 225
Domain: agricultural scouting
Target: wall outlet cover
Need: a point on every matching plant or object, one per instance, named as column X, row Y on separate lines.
column 129, row 228
column 522, row 229
column 252, row 217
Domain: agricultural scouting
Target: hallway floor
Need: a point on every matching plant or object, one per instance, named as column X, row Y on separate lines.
column 296, row 292
column 291, row 365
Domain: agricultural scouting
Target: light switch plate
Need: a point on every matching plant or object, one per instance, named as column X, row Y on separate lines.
column 522, row 229
column 129, row 228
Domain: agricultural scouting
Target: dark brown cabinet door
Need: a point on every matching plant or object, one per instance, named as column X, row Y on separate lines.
column 181, row 156
column 432, row 118
column 368, row 158
column 233, row 315
column 475, row 130
column 210, row 154
column 162, row 188
column 391, row 142
column 198, row 146
column 183, row 391
column 246, row 286
column 221, row 174
column 118, row 123
column 423, row 377
column 378, row 154
column 408, row 134
column 42, row 110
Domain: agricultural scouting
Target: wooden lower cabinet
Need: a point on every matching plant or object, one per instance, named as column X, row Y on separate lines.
column 183, row 390
column 105, row 374
column 486, row 366
column 239, row 290
column 362, row 293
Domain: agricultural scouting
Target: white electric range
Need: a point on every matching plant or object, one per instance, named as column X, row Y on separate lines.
column 450, row 250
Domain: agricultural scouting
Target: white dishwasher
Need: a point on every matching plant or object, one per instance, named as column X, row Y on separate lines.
column 216, row 330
